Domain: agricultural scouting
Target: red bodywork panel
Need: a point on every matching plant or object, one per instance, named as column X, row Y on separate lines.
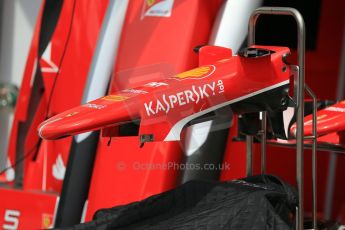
column 64, row 63
column 330, row 125
column 152, row 48
column 72, row 56
column 124, row 172
column 329, row 120
column 165, row 107
column 197, row 92
column 26, row 210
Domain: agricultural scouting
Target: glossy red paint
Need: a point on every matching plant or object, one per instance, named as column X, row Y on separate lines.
column 227, row 80
column 172, row 103
column 26, row 210
column 64, row 66
column 72, row 56
column 151, row 48
column 329, row 120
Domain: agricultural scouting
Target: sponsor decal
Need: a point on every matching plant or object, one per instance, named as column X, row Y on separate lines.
column 336, row 109
column 48, row 66
column 59, row 168
column 47, row 221
column 11, row 219
column 197, row 73
column 71, row 114
column 134, row 91
column 150, row 2
column 157, row 8
column 155, row 84
column 94, row 106
column 114, row 98
column 193, row 95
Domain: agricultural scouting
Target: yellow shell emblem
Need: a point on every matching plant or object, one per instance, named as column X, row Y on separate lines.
column 150, row 2
column 200, row 72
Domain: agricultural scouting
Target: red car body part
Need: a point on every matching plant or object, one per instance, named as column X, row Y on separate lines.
column 330, row 125
column 52, row 157
column 104, row 112
column 58, row 60
column 65, row 58
column 27, row 209
column 165, row 47
column 165, row 107
column 329, row 120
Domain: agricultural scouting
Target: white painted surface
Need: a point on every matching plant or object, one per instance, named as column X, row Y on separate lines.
column 231, row 27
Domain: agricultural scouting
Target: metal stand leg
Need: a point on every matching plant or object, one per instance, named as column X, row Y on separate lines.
column 300, row 90
column 314, row 159
column 263, row 141
column 249, row 155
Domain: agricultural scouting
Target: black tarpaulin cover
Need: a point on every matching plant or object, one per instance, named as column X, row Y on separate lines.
column 258, row 202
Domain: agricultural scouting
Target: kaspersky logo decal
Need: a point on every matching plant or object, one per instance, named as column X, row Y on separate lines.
column 157, row 8
column 197, row 73
column 193, row 95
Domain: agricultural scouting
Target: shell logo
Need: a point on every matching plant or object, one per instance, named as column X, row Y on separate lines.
column 150, row 2
column 197, row 73
column 114, row 98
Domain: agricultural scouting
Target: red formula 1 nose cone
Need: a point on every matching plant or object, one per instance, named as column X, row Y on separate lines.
column 329, row 120
column 164, row 108
column 85, row 118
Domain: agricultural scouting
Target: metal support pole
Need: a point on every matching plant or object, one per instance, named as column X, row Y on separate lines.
column 300, row 94
column 249, row 155
column 314, row 159
column 263, row 141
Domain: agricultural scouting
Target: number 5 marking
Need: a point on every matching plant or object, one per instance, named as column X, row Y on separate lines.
column 11, row 220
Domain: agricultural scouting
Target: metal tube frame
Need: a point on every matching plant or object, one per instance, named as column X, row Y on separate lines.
column 314, row 158
column 263, row 141
column 300, row 97
column 249, row 155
